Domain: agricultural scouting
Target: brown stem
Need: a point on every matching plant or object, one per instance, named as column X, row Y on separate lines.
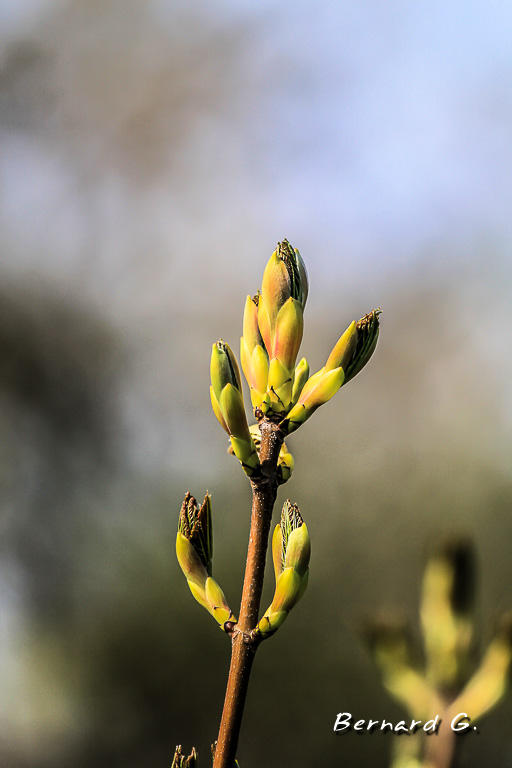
column 441, row 748
column 264, row 491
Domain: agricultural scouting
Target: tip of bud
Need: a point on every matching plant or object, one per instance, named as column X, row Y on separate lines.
column 367, row 334
column 195, row 524
column 297, row 274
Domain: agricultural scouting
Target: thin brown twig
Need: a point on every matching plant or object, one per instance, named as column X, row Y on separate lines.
column 243, row 649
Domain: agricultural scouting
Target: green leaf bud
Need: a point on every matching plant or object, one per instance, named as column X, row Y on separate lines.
column 287, row 590
column 246, row 453
column 298, row 550
column 343, row 350
column 189, row 560
column 223, row 368
column 232, row 408
column 217, row 411
column 251, row 329
column 300, row 378
column 287, row 336
column 195, row 523
column 284, row 277
column 318, row 390
column 296, row 546
column 367, row 336
column 253, row 354
column 277, row 551
column 285, row 466
column 217, row 602
column 270, row 623
column 194, row 550
column 291, row 551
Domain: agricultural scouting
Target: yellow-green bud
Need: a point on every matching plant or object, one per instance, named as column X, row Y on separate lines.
column 391, row 645
column 446, row 612
column 285, row 462
column 291, row 550
column 287, row 590
column 349, row 356
column 194, row 550
column 223, row 368
column 251, row 331
column 270, row 623
column 288, row 333
column 296, row 546
column 195, row 528
column 285, row 466
column 491, row 681
column 298, row 550
column 277, row 551
column 280, row 321
column 217, row 602
column 253, row 354
column 284, row 277
column 367, row 336
column 300, row 378
column 343, row 349
column 228, row 405
column 232, row 408
column 189, row 560
column 318, row 390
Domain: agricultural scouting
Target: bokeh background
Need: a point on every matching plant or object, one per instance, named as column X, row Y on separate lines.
column 151, row 155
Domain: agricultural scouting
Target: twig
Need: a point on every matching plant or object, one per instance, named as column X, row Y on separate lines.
column 264, row 491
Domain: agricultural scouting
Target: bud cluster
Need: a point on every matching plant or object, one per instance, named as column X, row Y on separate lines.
column 291, row 550
column 282, row 391
column 194, row 550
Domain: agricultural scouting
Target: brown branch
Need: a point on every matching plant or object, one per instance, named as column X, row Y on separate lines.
column 441, row 749
column 243, row 649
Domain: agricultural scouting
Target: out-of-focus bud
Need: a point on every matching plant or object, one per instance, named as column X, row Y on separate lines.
column 291, row 551
column 194, row 550
column 447, row 613
column 349, row 356
column 228, row 405
column 285, row 462
column 180, row 761
column 492, row 679
column 391, row 646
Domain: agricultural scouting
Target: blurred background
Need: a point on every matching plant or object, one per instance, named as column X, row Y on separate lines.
column 151, row 156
